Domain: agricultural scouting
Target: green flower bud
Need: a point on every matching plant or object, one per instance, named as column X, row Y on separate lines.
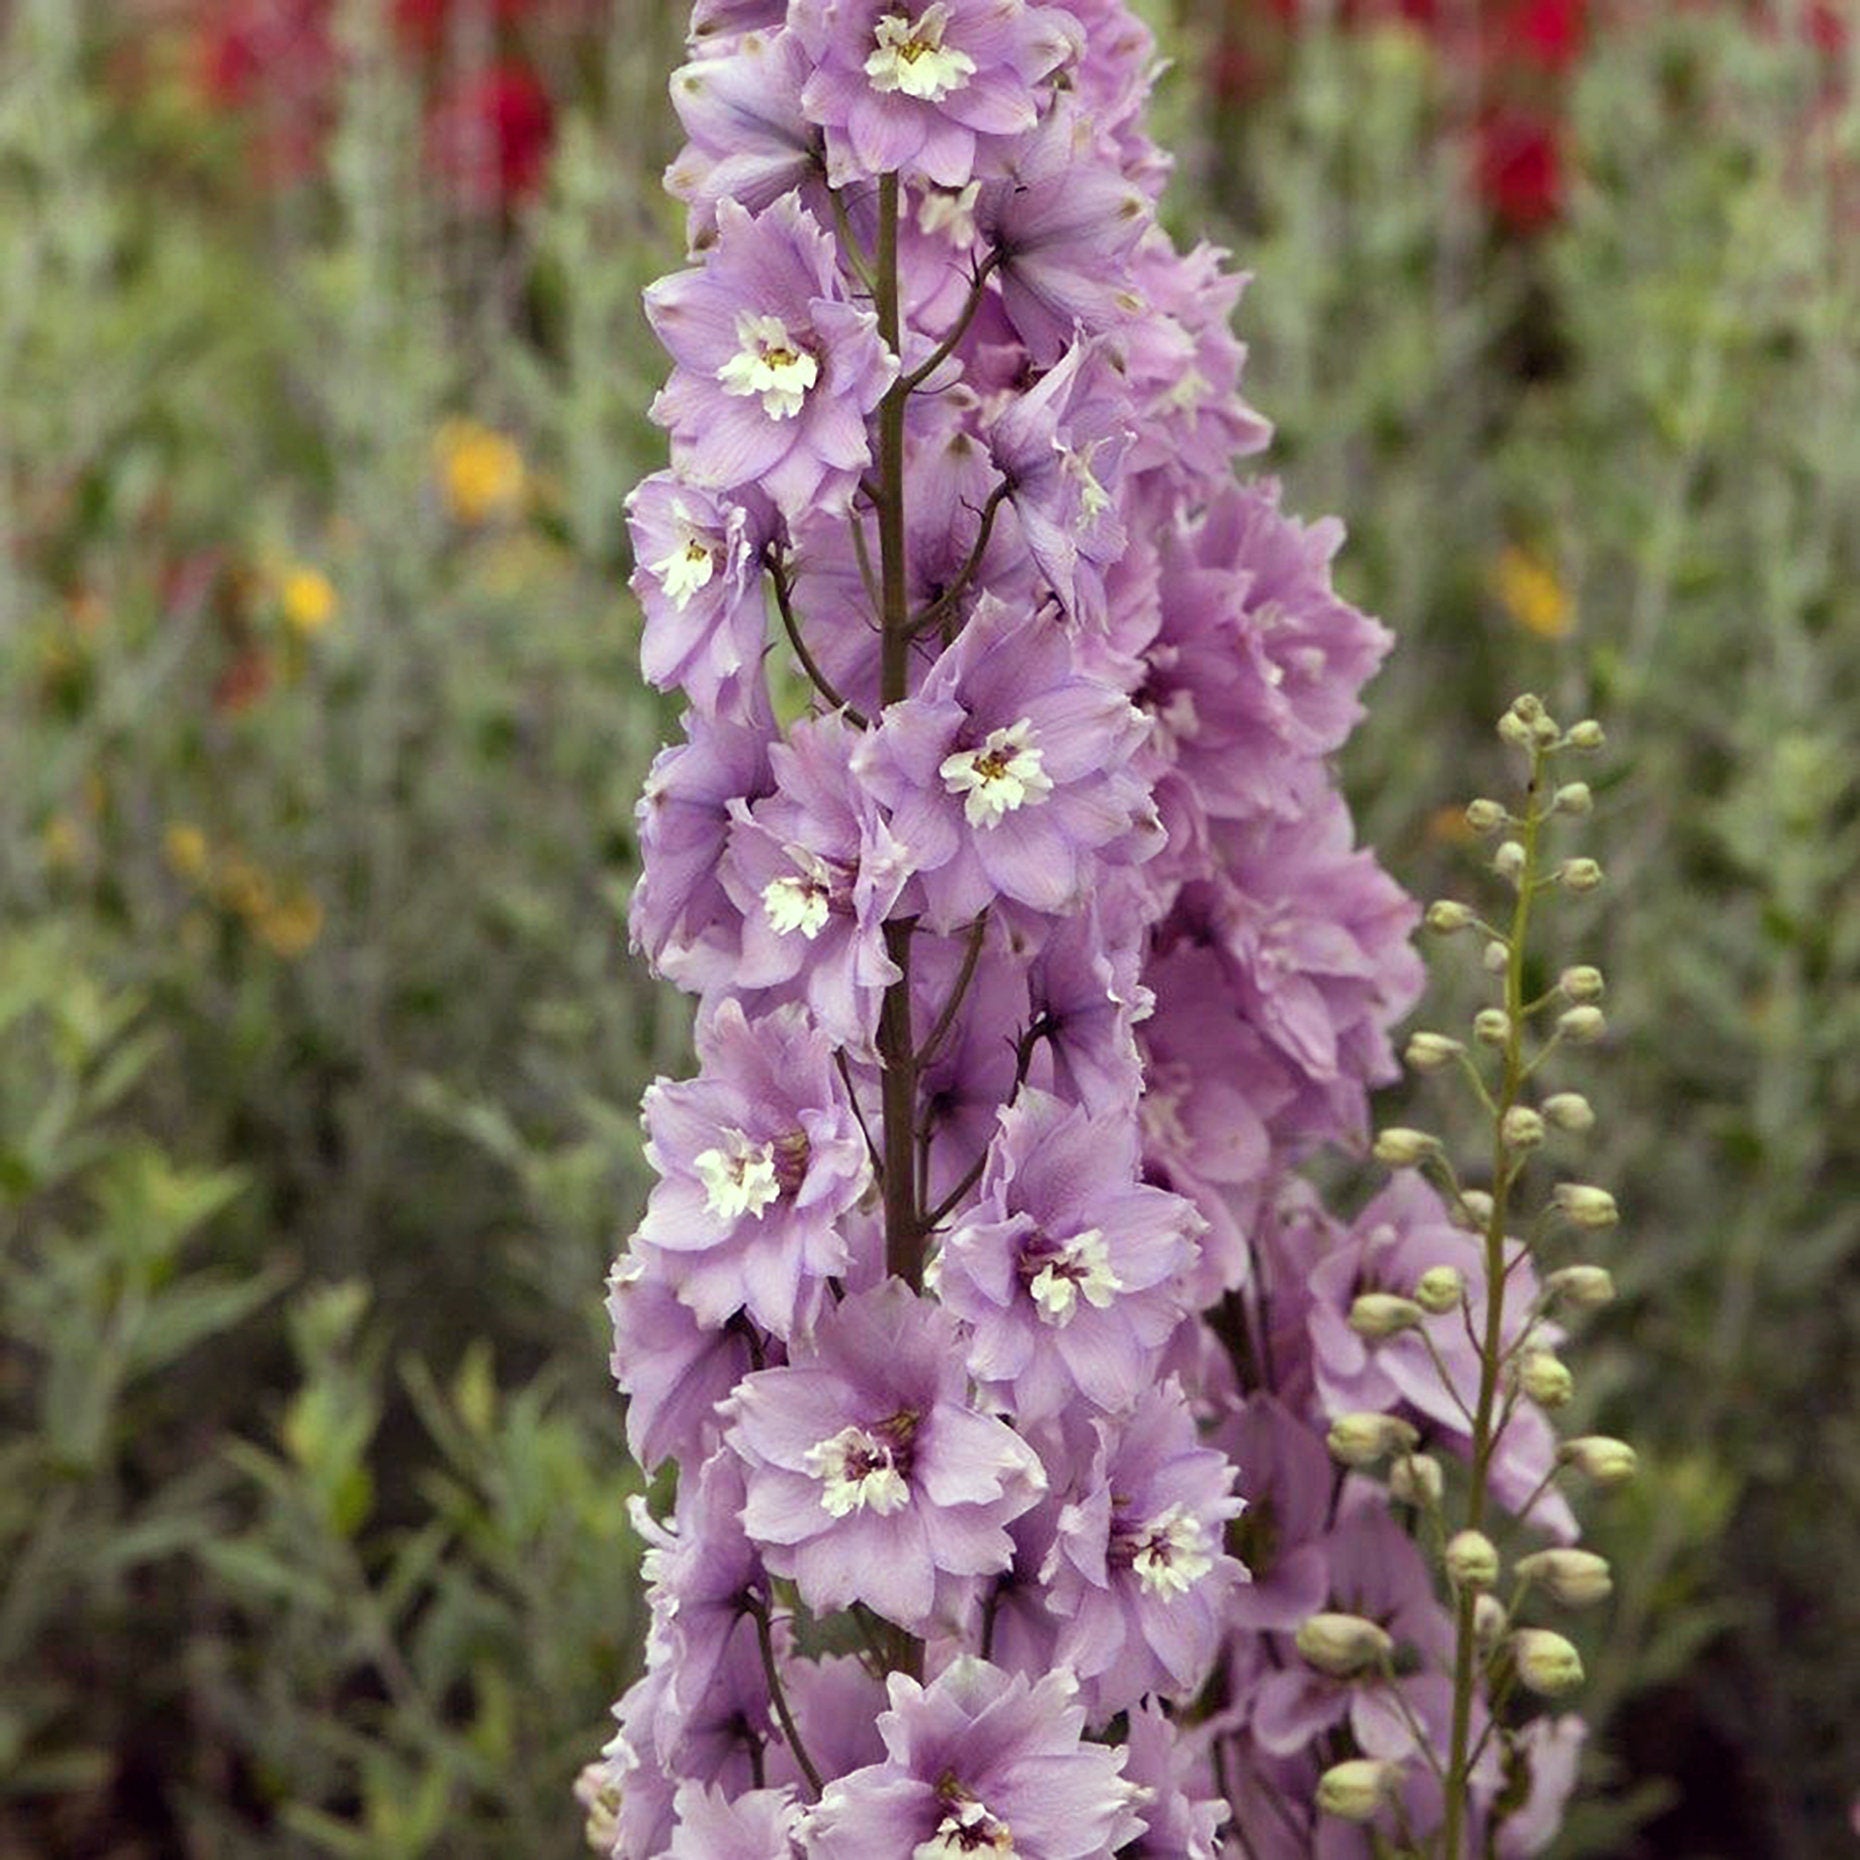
column 1514, row 730
column 1582, row 1026
column 1343, row 1644
column 1428, row 1052
column 1583, row 982
column 1376, row 1315
column 1527, row 706
column 1358, row 1789
column 1546, row 732
column 1490, row 1620
column 1547, row 1664
column 1586, row 735
column 1472, row 1561
column 1570, row 1111
column 1582, row 1288
column 1522, row 1128
column 1586, row 1205
column 1415, row 1479
column 1573, row 1578
column 1579, row 875
column 1401, row 1148
column 1485, row 816
column 1491, row 1026
column 1363, row 1440
column 1439, row 1290
column 1495, row 958
column 1446, row 915
column 1545, row 1379
column 1598, row 1457
column 1574, row 798
column 1474, row 1212
column 1508, row 861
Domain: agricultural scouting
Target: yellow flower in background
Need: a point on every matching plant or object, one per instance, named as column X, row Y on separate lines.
column 481, row 472
column 1530, row 591
column 184, row 846
column 290, row 926
column 244, row 888
column 307, row 598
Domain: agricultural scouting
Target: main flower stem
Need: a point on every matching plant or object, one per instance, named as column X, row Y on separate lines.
column 897, row 1040
column 1492, row 1345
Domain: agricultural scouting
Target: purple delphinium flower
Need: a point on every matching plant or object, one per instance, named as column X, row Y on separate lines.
column 815, row 872
column 980, row 1763
column 759, row 1156
column 1137, row 1571
column 776, row 367
column 1007, row 775
column 762, row 1825
column 870, row 1477
column 1068, row 1269
column 931, row 87
column 1179, row 1825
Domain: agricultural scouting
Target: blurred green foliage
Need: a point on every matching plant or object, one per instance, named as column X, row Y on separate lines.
column 319, row 736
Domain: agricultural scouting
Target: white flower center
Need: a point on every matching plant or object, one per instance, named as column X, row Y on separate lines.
column 1005, row 773
column 1081, row 1268
column 1172, row 1553
column 770, row 363
column 856, row 1469
column 795, row 903
column 910, row 56
column 739, row 1178
column 1094, row 499
column 968, row 1829
column 688, row 569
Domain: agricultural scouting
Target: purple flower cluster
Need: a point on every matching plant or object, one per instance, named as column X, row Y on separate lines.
column 977, row 1302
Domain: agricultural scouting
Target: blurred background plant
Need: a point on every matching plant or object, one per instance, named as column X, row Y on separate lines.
column 321, row 381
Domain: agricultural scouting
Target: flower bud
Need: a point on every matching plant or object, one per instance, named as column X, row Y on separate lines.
column 1547, row 1663
column 1416, row 1479
column 1376, row 1315
column 1428, row 1052
column 1343, row 1644
column 1357, row 1790
column 1583, row 982
column 1573, row 1578
column 1582, row 1026
column 1582, row 1288
column 1508, row 861
column 1545, row 1379
column 1439, row 1290
column 1495, row 957
column 1522, row 1128
column 1586, row 1205
column 1546, row 732
column 1586, row 735
column 1485, row 816
column 1490, row 1620
column 1401, row 1148
column 1446, row 915
column 1570, row 1111
column 1475, row 1208
column 1527, row 707
column 1514, row 730
column 1361, row 1440
column 1491, row 1026
column 1579, row 875
column 1600, row 1458
column 1472, row 1560
column 1574, row 797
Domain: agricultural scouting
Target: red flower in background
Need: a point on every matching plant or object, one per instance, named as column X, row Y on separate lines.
column 1518, row 167
column 491, row 138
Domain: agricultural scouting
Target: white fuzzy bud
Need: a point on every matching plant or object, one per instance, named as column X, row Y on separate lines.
column 1364, row 1440
column 1495, row 957
column 1546, row 732
column 1343, row 1644
column 1574, row 797
column 1586, row 735
column 1583, row 982
column 1582, row 1026
column 1446, row 915
column 1547, row 1664
column 1472, row 1561
column 1416, row 1479
column 1376, row 1315
column 1522, row 1128
column 1579, row 875
column 1474, row 1210
column 1358, row 1789
column 1582, row 1288
column 1508, row 862
column 1514, row 730
column 1572, row 1578
column 1428, row 1052
column 1439, row 1290
column 1401, row 1148
column 1491, row 1026
column 1485, row 816
column 1586, row 1205
column 1570, row 1111
column 1490, row 1620
column 1600, row 1458
column 1545, row 1379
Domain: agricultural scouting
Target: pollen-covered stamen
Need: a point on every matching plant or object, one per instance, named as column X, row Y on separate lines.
column 1006, row 772
column 797, row 901
column 861, row 1466
column 793, row 1152
column 769, row 363
column 1065, row 1273
column 910, row 56
column 739, row 1177
column 1171, row 1552
column 688, row 570
column 968, row 1828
